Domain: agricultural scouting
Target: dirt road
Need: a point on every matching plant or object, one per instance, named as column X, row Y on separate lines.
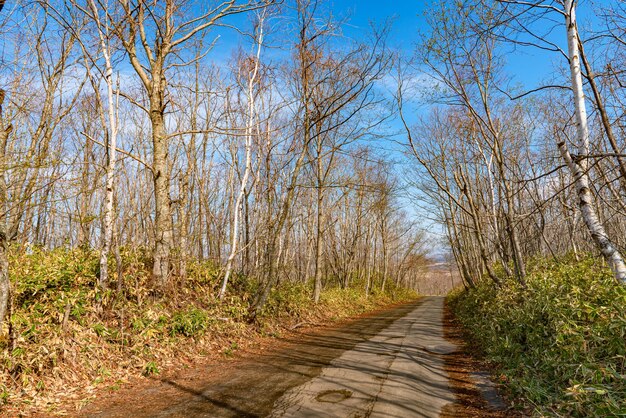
column 386, row 365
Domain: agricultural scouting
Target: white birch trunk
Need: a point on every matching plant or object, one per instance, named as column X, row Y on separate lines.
column 578, row 168
column 111, row 149
column 248, row 167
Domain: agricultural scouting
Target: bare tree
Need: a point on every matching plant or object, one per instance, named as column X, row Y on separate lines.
column 151, row 36
column 250, row 73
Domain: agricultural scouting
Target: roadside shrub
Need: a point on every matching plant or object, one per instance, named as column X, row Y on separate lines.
column 291, row 299
column 560, row 343
column 190, row 322
column 203, row 273
column 44, row 274
column 150, row 369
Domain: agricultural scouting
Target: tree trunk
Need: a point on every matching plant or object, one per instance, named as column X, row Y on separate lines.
column 83, row 216
column 5, row 284
column 461, row 180
column 251, row 120
column 578, row 167
column 383, row 237
column 110, row 175
column 317, row 286
column 163, row 216
column 183, row 217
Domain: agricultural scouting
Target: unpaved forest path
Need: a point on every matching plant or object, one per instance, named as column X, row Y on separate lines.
column 390, row 364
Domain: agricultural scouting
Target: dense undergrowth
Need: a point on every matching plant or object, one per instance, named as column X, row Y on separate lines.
column 70, row 339
column 559, row 344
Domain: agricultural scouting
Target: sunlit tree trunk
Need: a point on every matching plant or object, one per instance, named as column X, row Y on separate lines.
column 5, row 285
column 250, row 130
column 579, row 164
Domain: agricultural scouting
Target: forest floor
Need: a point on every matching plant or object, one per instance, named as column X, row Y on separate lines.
column 391, row 362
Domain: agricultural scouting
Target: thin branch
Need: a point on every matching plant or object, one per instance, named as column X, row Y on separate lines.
column 121, row 151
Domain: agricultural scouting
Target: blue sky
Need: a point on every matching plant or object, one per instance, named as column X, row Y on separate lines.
column 407, row 17
column 528, row 67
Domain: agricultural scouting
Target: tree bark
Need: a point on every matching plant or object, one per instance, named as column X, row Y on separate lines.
column 5, row 284
column 578, row 167
column 111, row 149
column 317, row 286
column 163, row 228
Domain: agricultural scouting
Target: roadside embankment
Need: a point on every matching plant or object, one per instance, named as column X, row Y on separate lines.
column 559, row 344
column 69, row 340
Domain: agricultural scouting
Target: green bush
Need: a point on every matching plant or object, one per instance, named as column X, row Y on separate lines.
column 190, row 322
column 561, row 342
column 292, row 299
column 150, row 369
column 40, row 275
column 203, row 273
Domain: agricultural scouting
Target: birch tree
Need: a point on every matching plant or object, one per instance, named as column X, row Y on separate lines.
column 249, row 68
column 5, row 233
column 97, row 12
column 579, row 164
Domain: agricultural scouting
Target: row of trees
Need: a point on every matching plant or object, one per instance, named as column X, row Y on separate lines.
column 117, row 129
column 515, row 173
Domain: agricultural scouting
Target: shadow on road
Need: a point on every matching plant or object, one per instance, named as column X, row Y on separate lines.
column 253, row 385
